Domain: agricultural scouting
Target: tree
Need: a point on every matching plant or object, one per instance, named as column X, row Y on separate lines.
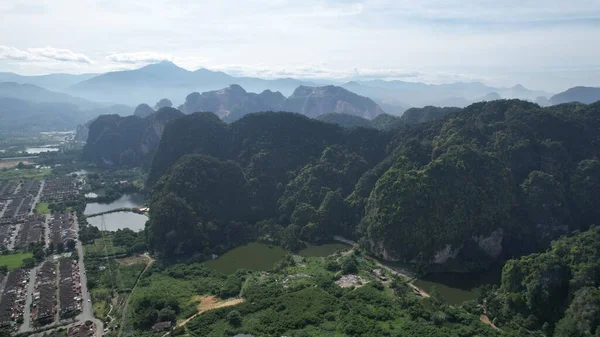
column 60, row 248
column 234, row 318
column 28, row 263
column 349, row 266
column 39, row 255
column 70, row 245
column 3, row 269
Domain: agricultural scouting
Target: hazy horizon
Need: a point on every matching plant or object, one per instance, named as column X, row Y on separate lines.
column 541, row 45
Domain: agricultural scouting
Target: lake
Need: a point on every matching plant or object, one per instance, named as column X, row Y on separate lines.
column 120, row 220
column 455, row 288
column 126, row 201
column 322, row 250
column 38, row 150
column 253, row 256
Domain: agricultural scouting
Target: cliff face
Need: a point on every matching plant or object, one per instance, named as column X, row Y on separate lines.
column 233, row 102
column 317, row 101
column 126, row 141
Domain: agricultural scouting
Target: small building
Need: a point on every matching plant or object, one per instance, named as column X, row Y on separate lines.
column 161, row 326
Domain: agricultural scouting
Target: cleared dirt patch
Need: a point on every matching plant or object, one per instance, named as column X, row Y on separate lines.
column 485, row 320
column 131, row 260
column 208, row 303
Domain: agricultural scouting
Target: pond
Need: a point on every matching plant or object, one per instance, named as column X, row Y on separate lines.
column 455, row 288
column 253, row 256
column 38, row 150
column 126, row 201
column 322, row 250
column 120, row 220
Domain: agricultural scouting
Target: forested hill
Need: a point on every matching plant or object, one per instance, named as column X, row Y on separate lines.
column 389, row 122
column 495, row 179
column 555, row 291
column 126, row 141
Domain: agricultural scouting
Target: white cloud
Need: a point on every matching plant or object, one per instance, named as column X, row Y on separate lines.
column 139, row 57
column 58, row 54
column 480, row 39
column 15, row 54
column 42, row 54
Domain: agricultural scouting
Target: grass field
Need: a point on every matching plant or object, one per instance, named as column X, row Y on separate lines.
column 42, row 208
column 97, row 249
column 24, row 174
column 14, row 261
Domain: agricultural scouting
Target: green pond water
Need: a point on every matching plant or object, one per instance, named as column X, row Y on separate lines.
column 322, row 250
column 455, row 288
column 253, row 256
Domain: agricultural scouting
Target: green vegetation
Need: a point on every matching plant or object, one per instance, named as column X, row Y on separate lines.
column 297, row 298
column 123, row 242
column 555, row 292
column 253, row 256
column 459, row 191
column 113, row 184
column 126, row 141
column 14, row 260
column 42, row 208
column 12, row 174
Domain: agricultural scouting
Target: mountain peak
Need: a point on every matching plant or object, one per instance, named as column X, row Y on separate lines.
column 163, row 66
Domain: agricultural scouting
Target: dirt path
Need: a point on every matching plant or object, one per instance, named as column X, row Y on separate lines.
column 150, row 262
column 486, row 320
column 208, row 303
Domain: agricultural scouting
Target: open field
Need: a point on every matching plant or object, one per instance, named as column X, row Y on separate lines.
column 14, row 261
column 42, row 208
column 23, row 174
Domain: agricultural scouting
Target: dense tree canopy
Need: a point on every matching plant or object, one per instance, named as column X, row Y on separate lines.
column 492, row 180
column 555, row 289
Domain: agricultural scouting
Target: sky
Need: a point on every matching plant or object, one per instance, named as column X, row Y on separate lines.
column 549, row 45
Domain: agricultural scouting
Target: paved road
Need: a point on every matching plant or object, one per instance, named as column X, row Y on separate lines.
column 37, row 197
column 26, row 326
column 87, row 312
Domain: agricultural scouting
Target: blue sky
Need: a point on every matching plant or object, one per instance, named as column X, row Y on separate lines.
column 548, row 45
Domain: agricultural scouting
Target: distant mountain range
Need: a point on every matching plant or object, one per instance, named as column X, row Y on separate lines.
column 57, row 82
column 459, row 94
column 29, row 108
column 166, row 79
column 585, row 95
column 88, row 95
column 233, row 102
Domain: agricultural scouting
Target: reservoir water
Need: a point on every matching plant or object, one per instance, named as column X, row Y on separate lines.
column 38, row 150
column 455, row 288
column 126, row 201
column 322, row 250
column 120, row 220
column 253, row 256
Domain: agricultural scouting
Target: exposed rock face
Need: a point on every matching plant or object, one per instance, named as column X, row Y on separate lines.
column 316, row 101
column 81, row 134
column 379, row 249
column 126, row 141
column 445, row 254
column 491, row 245
column 232, row 102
